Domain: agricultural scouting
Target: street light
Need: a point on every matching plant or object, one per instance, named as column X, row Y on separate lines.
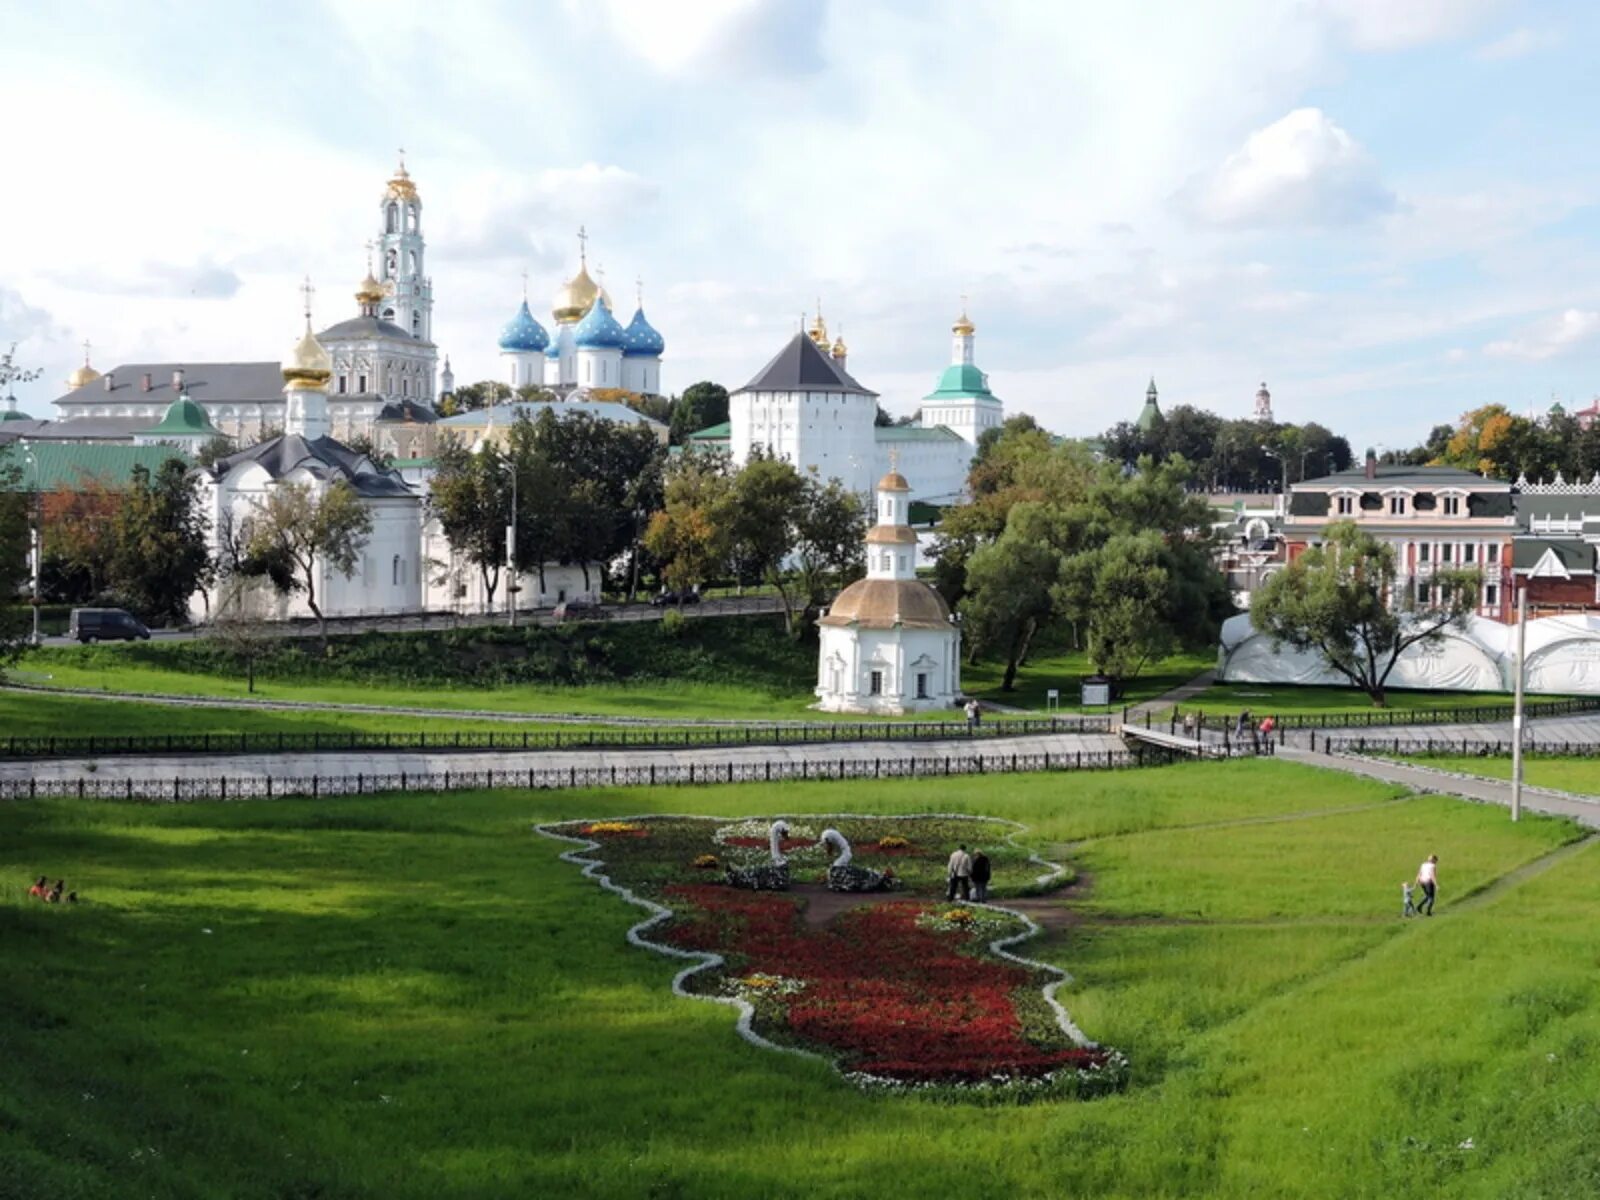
column 36, row 529
column 511, row 550
column 1284, row 493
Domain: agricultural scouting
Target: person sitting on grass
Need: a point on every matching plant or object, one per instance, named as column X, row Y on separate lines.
column 39, row 890
column 55, row 893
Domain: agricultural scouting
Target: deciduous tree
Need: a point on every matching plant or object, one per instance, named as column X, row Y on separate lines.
column 294, row 526
column 1343, row 600
column 159, row 552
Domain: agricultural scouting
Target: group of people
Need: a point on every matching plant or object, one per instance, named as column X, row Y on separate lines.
column 968, row 875
column 41, row 890
column 1428, row 880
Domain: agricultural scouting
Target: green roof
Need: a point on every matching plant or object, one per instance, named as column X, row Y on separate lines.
column 961, row 381
column 71, row 464
column 14, row 414
column 915, row 433
column 713, row 433
column 1575, row 556
column 184, row 418
column 1149, row 415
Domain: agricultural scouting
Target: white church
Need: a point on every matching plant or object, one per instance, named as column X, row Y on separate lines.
column 888, row 642
column 804, row 406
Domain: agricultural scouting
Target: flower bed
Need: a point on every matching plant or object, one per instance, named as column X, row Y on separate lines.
column 903, row 992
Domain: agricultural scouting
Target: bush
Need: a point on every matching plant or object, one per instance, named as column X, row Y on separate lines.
column 672, row 623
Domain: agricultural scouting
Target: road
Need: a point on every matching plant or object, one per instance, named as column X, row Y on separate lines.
column 419, row 622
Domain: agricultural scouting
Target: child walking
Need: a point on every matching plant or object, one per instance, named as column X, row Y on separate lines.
column 1410, row 909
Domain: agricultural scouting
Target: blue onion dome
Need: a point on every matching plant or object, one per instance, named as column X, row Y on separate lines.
column 522, row 332
column 641, row 339
column 599, row 329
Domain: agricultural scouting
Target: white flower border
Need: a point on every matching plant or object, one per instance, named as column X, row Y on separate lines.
column 703, row 960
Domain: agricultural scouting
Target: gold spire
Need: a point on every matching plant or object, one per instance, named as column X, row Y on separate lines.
column 964, row 326
column 369, row 291
column 401, row 187
column 307, row 367
column 819, row 327
column 839, row 348
column 84, row 375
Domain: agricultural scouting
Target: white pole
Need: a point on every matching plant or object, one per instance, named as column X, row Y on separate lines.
column 511, row 554
column 1516, row 714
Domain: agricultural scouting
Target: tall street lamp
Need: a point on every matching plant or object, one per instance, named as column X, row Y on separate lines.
column 36, row 530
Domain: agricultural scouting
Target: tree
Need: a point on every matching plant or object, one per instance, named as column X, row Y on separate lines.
column 238, row 632
column 701, row 406
column 1343, row 600
column 470, row 397
column 367, row 446
column 212, row 450
column 761, row 513
column 296, row 527
column 16, row 541
column 831, row 530
column 159, row 555
column 686, row 535
column 1009, row 585
column 470, row 496
column 79, row 539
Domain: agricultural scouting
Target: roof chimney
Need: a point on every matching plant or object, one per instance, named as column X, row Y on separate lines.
column 177, row 380
column 144, row 383
column 107, row 379
column 1372, row 463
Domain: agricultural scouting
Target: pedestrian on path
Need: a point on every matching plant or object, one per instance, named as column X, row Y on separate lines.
column 981, row 871
column 960, row 874
column 1407, row 909
column 1428, row 881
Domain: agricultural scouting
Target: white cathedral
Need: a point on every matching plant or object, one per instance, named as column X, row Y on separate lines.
column 804, row 406
column 385, row 366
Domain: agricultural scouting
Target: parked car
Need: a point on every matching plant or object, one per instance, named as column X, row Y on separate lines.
column 105, row 625
column 667, row 599
column 579, row 610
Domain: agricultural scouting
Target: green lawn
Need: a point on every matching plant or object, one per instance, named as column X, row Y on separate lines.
column 1262, row 698
column 1064, row 670
column 410, row 996
column 1564, row 774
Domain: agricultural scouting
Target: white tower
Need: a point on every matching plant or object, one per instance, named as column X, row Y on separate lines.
column 1263, row 404
column 447, row 377
column 409, row 299
column 306, row 371
column 962, row 401
column 887, row 644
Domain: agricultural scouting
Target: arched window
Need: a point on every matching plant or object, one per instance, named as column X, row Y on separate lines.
column 391, row 222
column 411, row 218
column 411, row 262
column 405, row 386
column 396, row 569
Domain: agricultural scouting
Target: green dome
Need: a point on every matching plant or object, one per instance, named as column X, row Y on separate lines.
column 961, row 379
column 184, row 418
column 14, row 414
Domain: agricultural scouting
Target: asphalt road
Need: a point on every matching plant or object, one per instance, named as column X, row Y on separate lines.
column 416, row 622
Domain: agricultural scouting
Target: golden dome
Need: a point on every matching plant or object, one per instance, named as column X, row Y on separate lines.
column 401, row 187
column 819, row 331
column 893, row 482
column 83, row 376
column 887, row 603
column 369, row 290
column 307, row 368
column 964, row 325
column 839, row 350
column 576, row 297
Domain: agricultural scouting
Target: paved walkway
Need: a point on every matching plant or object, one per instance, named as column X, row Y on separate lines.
column 1585, row 811
column 421, row 762
column 1185, row 691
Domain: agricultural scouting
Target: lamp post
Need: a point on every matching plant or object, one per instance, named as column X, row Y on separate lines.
column 1283, row 494
column 1516, row 712
column 511, row 550
column 36, row 539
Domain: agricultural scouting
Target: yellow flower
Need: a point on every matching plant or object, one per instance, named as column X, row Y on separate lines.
column 612, row 827
column 893, row 842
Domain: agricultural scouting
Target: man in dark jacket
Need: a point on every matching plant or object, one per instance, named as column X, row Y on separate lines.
column 980, row 877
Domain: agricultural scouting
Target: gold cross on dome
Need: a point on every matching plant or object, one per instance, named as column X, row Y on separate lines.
column 583, row 245
column 524, row 286
column 894, row 460
column 86, row 352
column 307, row 291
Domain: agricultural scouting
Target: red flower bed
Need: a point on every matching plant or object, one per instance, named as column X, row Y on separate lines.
column 892, row 998
column 887, row 851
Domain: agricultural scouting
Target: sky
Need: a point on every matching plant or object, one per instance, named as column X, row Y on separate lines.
column 1385, row 211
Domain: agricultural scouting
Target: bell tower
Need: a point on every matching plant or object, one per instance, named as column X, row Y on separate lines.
column 408, row 298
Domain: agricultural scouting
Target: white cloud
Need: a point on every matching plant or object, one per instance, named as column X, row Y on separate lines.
column 1519, row 43
column 1550, row 337
column 732, row 35
column 1303, row 169
column 1401, row 24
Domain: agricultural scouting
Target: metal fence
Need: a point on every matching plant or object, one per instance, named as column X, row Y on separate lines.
column 178, row 790
column 706, row 736
column 1456, row 747
column 1380, row 717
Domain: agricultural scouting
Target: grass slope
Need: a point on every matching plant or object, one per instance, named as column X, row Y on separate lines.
column 410, row 996
column 1572, row 774
column 1264, row 698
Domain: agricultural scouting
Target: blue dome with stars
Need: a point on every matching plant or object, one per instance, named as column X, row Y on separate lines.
column 522, row 332
column 599, row 329
column 640, row 339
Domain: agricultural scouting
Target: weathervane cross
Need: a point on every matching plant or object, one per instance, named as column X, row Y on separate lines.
column 308, row 291
column 583, row 245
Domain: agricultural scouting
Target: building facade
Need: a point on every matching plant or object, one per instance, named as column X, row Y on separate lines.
column 888, row 643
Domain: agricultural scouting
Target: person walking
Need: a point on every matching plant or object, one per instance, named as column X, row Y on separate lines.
column 959, row 871
column 1428, row 881
column 981, row 871
column 1242, row 726
column 972, row 715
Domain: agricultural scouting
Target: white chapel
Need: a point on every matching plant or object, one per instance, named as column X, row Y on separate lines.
column 888, row 643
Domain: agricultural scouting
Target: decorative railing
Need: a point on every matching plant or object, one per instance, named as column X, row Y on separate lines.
column 179, row 789
column 1457, row 747
column 1380, row 717
column 706, row 736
